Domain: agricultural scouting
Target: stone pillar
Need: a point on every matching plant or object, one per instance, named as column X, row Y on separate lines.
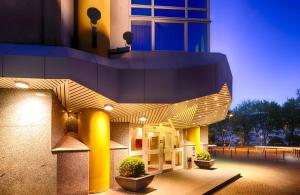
column 94, row 131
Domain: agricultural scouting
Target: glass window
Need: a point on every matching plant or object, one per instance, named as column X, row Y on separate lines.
column 176, row 3
column 169, row 13
column 141, row 11
column 197, row 37
column 169, row 36
column 197, row 3
column 141, row 2
column 197, row 14
column 142, row 35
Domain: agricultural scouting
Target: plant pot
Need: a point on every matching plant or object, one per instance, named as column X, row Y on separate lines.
column 204, row 164
column 134, row 183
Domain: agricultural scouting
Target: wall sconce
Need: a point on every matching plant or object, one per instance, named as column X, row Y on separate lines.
column 94, row 14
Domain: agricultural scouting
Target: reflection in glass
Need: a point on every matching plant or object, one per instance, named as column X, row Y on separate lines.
column 169, row 36
column 153, row 141
column 178, row 158
column 167, row 160
column 153, row 162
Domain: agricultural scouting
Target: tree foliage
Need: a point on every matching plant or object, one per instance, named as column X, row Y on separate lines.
column 263, row 116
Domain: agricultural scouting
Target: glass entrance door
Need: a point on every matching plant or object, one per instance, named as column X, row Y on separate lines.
column 160, row 151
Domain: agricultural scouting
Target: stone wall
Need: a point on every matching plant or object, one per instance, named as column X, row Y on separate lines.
column 27, row 164
column 72, row 173
column 119, row 132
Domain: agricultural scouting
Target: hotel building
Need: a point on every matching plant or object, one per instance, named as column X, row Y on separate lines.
column 79, row 92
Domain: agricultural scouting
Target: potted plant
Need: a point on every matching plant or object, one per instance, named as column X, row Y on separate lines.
column 203, row 160
column 132, row 174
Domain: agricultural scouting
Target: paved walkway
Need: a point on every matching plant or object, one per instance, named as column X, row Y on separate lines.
column 262, row 177
column 183, row 182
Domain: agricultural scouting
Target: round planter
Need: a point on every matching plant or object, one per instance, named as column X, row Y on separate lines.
column 203, row 164
column 134, row 183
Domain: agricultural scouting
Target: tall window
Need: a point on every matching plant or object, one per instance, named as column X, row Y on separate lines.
column 175, row 25
column 142, row 35
column 169, row 36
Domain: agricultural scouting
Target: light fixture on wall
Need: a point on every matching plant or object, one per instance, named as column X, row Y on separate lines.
column 108, row 107
column 142, row 119
column 94, row 14
column 21, row 85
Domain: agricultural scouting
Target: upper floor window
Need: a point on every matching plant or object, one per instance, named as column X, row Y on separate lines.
column 178, row 25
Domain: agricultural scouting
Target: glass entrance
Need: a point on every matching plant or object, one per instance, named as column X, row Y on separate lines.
column 164, row 151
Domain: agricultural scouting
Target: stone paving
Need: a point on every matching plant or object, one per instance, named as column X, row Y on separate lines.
column 262, row 177
column 183, row 182
column 258, row 177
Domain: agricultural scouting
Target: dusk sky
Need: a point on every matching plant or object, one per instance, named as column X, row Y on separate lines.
column 261, row 39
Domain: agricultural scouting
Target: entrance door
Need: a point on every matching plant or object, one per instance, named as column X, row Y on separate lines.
column 164, row 150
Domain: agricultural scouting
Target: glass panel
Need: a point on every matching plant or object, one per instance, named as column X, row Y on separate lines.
column 197, row 37
column 169, row 36
column 169, row 13
column 167, row 140
column 197, row 3
column 178, row 158
column 197, row 14
column 167, row 160
column 141, row 2
column 153, row 141
column 177, row 3
column 179, row 139
column 142, row 35
column 136, row 139
column 141, row 11
column 153, row 162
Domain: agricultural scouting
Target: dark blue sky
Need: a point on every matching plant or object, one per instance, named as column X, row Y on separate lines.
column 261, row 39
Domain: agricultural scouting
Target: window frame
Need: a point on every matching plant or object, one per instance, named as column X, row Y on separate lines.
column 153, row 19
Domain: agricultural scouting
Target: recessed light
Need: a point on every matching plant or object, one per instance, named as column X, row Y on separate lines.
column 40, row 94
column 216, row 98
column 142, row 119
column 108, row 107
column 21, row 85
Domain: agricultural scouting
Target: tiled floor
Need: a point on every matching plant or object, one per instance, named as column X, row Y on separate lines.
column 183, row 182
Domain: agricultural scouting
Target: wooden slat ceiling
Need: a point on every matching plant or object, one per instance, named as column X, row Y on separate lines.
column 75, row 97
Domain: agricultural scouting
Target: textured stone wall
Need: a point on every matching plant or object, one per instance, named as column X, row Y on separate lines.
column 119, row 132
column 27, row 164
column 116, row 157
column 59, row 122
column 72, row 173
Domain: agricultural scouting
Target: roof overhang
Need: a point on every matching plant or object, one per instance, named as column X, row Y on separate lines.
column 190, row 89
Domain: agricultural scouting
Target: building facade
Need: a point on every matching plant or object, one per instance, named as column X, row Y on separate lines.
column 79, row 92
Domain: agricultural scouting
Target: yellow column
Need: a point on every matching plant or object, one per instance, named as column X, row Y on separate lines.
column 103, row 26
column 193, row 135
column 94, row 131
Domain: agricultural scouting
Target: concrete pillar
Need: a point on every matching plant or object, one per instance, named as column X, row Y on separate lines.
column 193, row 135
column 94, row 131
column 204, row 138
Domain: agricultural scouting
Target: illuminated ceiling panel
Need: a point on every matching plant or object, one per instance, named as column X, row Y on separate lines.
column 75, row 97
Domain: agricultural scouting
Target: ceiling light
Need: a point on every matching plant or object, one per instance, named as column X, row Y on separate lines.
column 142, row 119
column 216, row 98
column 108, row 107
column 40, row 94
column 21, row 85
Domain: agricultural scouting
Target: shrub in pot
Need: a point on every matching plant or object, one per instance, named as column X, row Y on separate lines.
column 132, row 174
column 203, row 160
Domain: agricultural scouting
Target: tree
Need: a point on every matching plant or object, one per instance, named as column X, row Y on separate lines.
column 269, row 117
column 291, row 117
column 242, row 122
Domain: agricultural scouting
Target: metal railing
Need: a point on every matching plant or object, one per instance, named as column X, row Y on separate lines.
column 256, row 152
